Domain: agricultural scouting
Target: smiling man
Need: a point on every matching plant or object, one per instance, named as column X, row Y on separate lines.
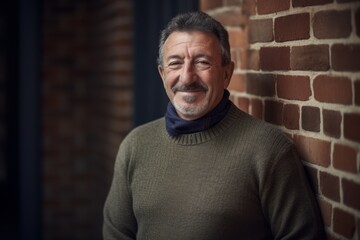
column 206, row 170
column 193, row 74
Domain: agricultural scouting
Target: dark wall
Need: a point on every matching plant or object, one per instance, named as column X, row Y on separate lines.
column 20, row 162
column 8, row 181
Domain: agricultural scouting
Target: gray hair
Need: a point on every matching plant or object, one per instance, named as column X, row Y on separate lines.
column 198, row 21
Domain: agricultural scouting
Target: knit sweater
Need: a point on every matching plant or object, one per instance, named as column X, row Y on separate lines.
column 240, row 179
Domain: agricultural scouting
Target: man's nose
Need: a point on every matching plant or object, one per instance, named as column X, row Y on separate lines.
column 188, row 74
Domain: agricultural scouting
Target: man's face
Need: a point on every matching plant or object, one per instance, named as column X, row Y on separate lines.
column 192, row 73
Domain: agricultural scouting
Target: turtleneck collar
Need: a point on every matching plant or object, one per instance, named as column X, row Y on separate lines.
column 176, row 126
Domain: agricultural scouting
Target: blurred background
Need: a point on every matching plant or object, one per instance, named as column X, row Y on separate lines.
column 68, row 96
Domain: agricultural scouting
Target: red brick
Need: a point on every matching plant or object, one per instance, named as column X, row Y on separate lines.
column 260, row 84
column 326, row 211
column 333, row 89
column 312, row 175
column 310, row 57
column 261, row 30
column 243, row 58
column 357, row 23
column 210, row 4
column 236, row 57
column 332, row 123
column 253, row 61
column 352, row 126
column 351, row 193
column 242, row 103
column 330, row 186
column 68, row 54
column 357, row 92
column 237, row 83
column 313, row 150
column 275, row 58
column 265, row 6
column 344, row 223
column 273, row 112
column 233, row 3
column 303, row 3
column 292, row 27
column 293, row 87
column 231, row 17
column 345, row 57
column 256, row 108
column 344, row 158
column 310, row 118
column 249, row 7
column 291, row 116
column 238, row 38
column 332, row 24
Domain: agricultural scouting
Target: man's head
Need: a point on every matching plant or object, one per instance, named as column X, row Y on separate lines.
column 199, row 21
column 194, row 63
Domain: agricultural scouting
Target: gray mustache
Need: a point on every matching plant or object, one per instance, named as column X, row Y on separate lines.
column 190, row 87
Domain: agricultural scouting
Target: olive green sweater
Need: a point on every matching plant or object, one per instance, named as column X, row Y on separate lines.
column 240, row 179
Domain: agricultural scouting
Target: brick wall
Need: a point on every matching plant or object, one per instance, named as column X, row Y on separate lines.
column 298, row 67
column 110, row 91
column 86, row 110
column 65, row 170
column 110, row 88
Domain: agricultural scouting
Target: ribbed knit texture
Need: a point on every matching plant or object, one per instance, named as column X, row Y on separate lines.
column 240, row 179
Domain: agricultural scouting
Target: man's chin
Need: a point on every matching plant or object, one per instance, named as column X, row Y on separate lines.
column 192, row 99
column 189, row 111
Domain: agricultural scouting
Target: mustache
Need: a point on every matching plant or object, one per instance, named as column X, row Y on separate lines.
column 190, row 87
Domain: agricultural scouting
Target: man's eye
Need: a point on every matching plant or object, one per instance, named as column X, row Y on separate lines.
column 174, row 64
column 203, row 63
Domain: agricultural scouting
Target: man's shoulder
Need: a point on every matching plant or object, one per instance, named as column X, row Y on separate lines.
column 147, row 129
column 258, row 130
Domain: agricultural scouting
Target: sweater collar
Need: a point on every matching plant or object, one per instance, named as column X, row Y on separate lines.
column 233, row 116
column 177, row 126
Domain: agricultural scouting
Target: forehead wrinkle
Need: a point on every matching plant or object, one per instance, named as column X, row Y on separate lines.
column 188, row 53
column 202, row 55
column 181, row 46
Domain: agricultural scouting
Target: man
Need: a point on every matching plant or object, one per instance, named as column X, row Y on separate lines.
column 206, row 170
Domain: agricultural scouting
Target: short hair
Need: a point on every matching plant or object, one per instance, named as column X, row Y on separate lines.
column 198, row 21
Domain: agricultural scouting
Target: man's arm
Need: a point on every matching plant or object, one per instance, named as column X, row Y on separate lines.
column 119, row 220
column 288, row 201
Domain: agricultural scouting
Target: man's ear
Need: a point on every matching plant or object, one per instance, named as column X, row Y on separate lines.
column 161, row 71
column 229, row 69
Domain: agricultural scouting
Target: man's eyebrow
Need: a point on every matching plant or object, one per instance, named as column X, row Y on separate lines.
column 200, row 55
column 173, row 57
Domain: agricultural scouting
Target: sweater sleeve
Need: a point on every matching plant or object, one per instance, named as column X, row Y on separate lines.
column 119, row 220
column 288, row 201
